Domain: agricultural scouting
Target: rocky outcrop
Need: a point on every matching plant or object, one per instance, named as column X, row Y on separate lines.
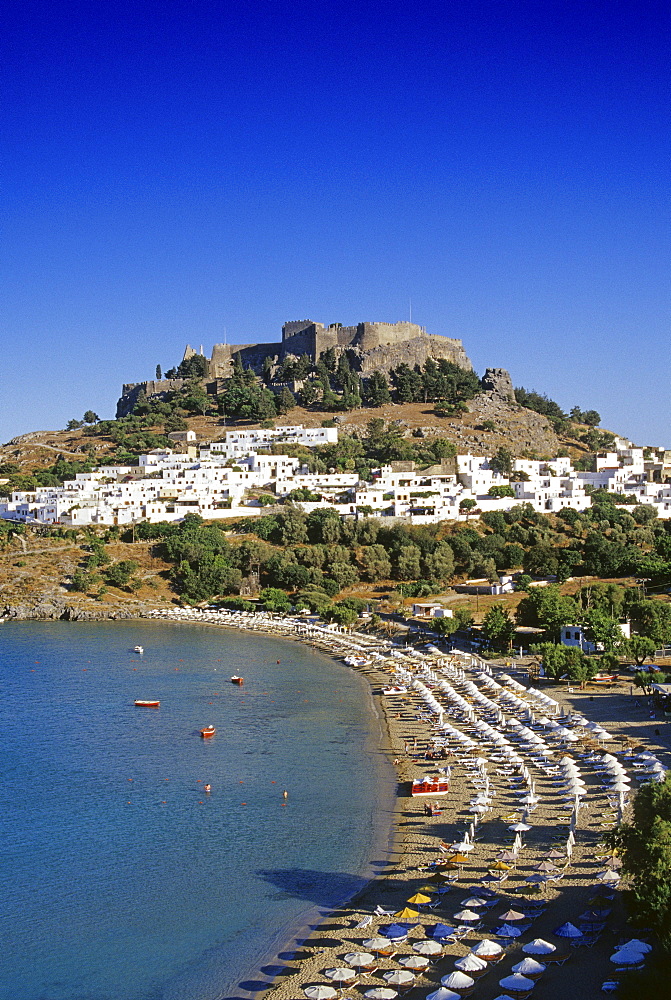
column 498, row 382
column 51, row 609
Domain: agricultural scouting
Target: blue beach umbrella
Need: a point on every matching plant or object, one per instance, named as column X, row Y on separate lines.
column 439, row 931
column 395, row 931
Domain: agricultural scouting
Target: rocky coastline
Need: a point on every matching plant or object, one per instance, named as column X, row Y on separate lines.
column 54, row 609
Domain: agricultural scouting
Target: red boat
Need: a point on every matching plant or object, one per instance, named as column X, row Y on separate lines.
column 208, row 731
column 237, row 680
column 147, row 704
column 430, row 786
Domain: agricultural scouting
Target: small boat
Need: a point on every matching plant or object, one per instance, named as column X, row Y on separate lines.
column 430, row 786
column 141, row 703
column 138, row 649
column 237, row 680
column 207, row 732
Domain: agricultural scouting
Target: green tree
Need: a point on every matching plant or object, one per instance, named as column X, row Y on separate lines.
column 376, row 390
column 498, row 627
column 74, row 425
column 439, row 564
column 500, row 491
column 91, row 418
column 375, row 562
column 341, row 614
column 307, row 394
column 275, row 600
column 118, row 574
column 644, row 844
column 285, row 401
column 445, row 626
column 502, row 461
column 602, row 629
column 467, row 505
column 640, row 648
column 408, row 562
column 547, row 608
column 159, row 373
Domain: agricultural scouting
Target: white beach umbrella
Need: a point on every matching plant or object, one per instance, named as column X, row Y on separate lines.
column 539, row 947
column 474, row 902
column 378, row 944
column 467, row 916
column 635, row 944
column 359, row 959
column 413, row 961
column 440, row 994
column 457, row 981
column 383, row 993
column 320, row 992
column 625, row 956
column 471, row 963
column 428, row 947
column 340, row 974
column 517, row 983
column 529, row 967
column 487, row 949
column 399, row 977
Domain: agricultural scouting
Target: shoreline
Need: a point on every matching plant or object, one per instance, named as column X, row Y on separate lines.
column 415, row 840
column 387, row 839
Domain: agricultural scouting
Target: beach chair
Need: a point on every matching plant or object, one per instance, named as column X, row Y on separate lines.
column 610, row 985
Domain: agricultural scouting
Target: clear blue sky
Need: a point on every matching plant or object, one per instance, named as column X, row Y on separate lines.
column 173, row 169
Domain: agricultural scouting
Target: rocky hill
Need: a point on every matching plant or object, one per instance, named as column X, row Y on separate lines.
column 492, row 420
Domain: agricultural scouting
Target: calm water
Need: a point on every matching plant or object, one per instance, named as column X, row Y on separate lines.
column 120, row 878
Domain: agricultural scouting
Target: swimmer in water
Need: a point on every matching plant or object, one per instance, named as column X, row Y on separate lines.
column 208, row 788
column 285, row 794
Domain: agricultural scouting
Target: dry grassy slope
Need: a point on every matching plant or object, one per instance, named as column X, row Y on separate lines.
column 34, row 568
column 516, row 428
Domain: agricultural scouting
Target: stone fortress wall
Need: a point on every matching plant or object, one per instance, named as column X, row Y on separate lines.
column 371, row 347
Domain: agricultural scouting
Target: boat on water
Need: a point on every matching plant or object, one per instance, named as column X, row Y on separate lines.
column 143, row 703
column 138, row 649
column 237, row 680
column 207, row 732
column 430, row 786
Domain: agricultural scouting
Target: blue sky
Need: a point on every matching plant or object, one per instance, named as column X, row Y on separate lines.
column 173, row 170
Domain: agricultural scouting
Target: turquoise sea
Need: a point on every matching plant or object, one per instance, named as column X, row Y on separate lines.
column 120, row 878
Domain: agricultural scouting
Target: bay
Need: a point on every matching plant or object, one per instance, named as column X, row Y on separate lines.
column 121, row 879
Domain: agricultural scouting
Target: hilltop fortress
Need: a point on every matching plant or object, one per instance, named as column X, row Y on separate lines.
column 370, row 347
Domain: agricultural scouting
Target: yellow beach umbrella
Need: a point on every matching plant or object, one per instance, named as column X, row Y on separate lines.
column 501, row 866
column 458, row 859
column 419, row 899
column 407, row 913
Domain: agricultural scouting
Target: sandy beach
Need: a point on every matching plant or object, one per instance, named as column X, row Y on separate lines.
column 420, row 840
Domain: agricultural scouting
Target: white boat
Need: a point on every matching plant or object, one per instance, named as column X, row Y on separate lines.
column 138, row 649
